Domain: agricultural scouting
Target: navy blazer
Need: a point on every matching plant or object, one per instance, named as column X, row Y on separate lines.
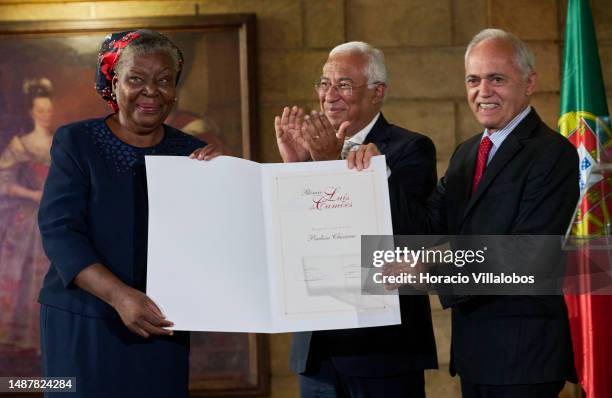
column 530, row 187
column 385, row 350
column 94, row 210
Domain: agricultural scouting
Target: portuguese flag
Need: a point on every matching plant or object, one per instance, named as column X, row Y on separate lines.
column 584, row 121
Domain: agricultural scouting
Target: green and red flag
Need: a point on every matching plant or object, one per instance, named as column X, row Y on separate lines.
column 585, row 122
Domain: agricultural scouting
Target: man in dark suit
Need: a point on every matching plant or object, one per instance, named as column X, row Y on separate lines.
column 378, row 361
column 517, row 178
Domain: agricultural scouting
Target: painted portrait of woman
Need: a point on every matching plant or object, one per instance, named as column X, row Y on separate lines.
column 24, row 164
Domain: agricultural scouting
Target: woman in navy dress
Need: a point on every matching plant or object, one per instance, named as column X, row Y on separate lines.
column 97, row 324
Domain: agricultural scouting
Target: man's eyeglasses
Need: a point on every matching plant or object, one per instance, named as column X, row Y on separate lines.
column 344, row 88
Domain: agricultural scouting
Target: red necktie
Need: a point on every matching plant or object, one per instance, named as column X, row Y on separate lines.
column 481, row 161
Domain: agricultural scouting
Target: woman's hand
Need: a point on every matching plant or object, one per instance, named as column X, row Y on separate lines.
column 208, row 152
column 139, row 313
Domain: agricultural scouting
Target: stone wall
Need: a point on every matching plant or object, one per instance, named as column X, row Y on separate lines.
column 423, row 40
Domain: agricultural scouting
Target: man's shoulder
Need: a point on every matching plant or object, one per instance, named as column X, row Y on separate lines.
column 403, row 133
column 468, row 144
column 401, row 143
column 385, row 130
column 396, row 135
column 544, row 132
column 545, row 141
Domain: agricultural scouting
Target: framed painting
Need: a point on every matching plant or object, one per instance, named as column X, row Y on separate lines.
column 47, row 72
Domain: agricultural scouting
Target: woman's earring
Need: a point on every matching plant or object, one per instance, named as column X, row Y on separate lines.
column 114, row 96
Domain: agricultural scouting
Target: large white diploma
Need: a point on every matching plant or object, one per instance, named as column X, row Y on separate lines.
column 238, row 246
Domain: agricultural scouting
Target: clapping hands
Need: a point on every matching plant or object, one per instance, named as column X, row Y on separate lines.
column 303, row 137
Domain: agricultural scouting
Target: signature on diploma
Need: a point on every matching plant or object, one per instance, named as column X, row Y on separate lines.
column 333, row 236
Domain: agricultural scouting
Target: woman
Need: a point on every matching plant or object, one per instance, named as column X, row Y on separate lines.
column 96, row 323
column 24, row 165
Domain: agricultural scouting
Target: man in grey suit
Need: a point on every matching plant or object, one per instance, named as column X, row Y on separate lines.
column 378, row 361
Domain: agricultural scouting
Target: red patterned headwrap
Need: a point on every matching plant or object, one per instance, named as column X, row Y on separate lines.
column 109, row 53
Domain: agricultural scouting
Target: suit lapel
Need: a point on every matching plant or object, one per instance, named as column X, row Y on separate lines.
column 502, row 157
column 470, row 166
column 379, row 135
column 509, row 148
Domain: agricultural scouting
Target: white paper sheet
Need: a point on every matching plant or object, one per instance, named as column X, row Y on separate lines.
column 239, row 246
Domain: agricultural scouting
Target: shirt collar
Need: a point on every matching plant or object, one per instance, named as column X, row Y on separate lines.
column 361, row 135
column 501, row 134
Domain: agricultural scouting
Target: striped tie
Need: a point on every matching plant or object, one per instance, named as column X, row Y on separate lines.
column 346, row 148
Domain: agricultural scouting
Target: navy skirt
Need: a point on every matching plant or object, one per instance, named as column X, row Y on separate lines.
column 110, row 361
